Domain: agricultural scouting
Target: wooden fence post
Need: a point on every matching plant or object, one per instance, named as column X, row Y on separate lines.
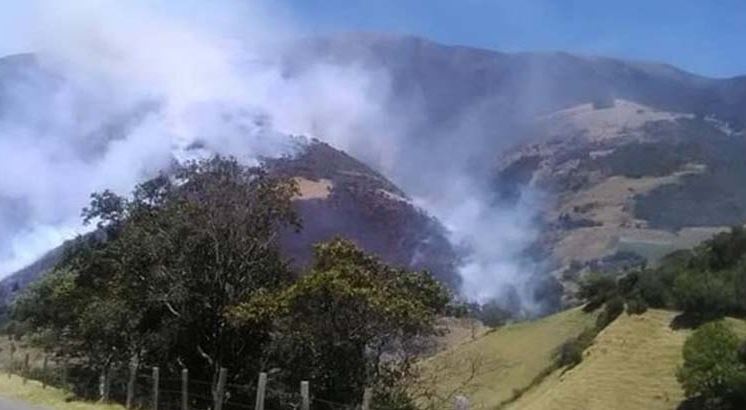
column 156, row 377
column 367, row 398
column 12, row 351
column 185, row 389
column 105, row 384
column 220, row 389
column 65, row 372
column 131, row 386
column 260, row 391
column 44, row 372
column 461, row 403
column 305, row 399
column 25, row 370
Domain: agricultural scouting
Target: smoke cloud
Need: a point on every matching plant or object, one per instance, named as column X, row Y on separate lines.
column 118, row 90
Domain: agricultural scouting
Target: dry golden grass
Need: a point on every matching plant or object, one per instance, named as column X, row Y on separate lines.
column 631, row 365
column 490, row 368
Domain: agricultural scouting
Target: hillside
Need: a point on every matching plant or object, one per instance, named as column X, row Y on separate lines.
column 489, row 368
column 630, row 365
column 340, row 196
column 627, row 184
column 632, row 159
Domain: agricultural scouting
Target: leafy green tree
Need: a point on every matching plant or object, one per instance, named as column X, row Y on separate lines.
column 346, row 325
column 154, row 283
column 712, row 371
column 703, row 293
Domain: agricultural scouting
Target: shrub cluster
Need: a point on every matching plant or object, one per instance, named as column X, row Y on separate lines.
column 714, row 371
column 706, row 282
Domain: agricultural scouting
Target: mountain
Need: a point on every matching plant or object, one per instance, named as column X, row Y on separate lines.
column 339, row 196
column 627, row 183
column 632, row 159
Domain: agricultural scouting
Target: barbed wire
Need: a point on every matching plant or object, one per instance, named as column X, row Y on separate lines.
column 88, row 385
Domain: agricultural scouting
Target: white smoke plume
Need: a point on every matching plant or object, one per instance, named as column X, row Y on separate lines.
column 126, row 87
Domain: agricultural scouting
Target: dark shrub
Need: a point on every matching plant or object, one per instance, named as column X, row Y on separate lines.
column 704, row 294
column 712, row 371
column 570, row 354
column 492, row 314
column 614, row 307
column 653, row 290
column 596, row 289
column 636, row 304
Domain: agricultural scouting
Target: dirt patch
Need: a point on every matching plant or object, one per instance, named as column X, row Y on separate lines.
column 309, row 189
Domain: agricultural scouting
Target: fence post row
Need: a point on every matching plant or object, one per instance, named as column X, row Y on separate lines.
column 156, row 377
column 260, row 391
column 460, row 403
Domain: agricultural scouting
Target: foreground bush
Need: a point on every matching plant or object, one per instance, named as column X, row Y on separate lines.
column 712, row 371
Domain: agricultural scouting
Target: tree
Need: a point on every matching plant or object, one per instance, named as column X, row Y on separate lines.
column 712, row 371
column 704, row 294
column 155, row 282
column 596, row 289
column 346, row 325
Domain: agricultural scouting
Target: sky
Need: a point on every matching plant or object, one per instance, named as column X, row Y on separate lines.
column 705, row 37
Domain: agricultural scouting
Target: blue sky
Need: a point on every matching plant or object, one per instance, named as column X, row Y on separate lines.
column 704, row 36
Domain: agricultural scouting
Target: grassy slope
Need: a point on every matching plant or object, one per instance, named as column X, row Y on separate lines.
column 505, row 359
column 33, row 393
column 631, row 365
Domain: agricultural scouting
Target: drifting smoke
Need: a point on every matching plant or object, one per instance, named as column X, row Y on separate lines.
column 119, row 90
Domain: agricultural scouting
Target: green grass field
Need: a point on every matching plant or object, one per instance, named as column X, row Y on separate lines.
column 490, row 368
column 51, row 398
column 631, row 365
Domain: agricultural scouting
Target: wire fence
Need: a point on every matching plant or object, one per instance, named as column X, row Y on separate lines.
column 151, row 388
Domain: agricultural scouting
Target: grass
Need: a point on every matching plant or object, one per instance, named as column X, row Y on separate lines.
column 631, row 365
column 489, row 369
column 32, row 392
column 51, row 398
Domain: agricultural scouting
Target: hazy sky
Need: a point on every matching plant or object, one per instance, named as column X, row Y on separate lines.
column 706, row 37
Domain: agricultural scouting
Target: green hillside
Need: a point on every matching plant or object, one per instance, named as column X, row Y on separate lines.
column 490, row 368
column 631, row 364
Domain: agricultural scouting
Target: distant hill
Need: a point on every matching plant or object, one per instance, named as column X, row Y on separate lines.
column 626, row 184
column 633, row 159
column 454, row 79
